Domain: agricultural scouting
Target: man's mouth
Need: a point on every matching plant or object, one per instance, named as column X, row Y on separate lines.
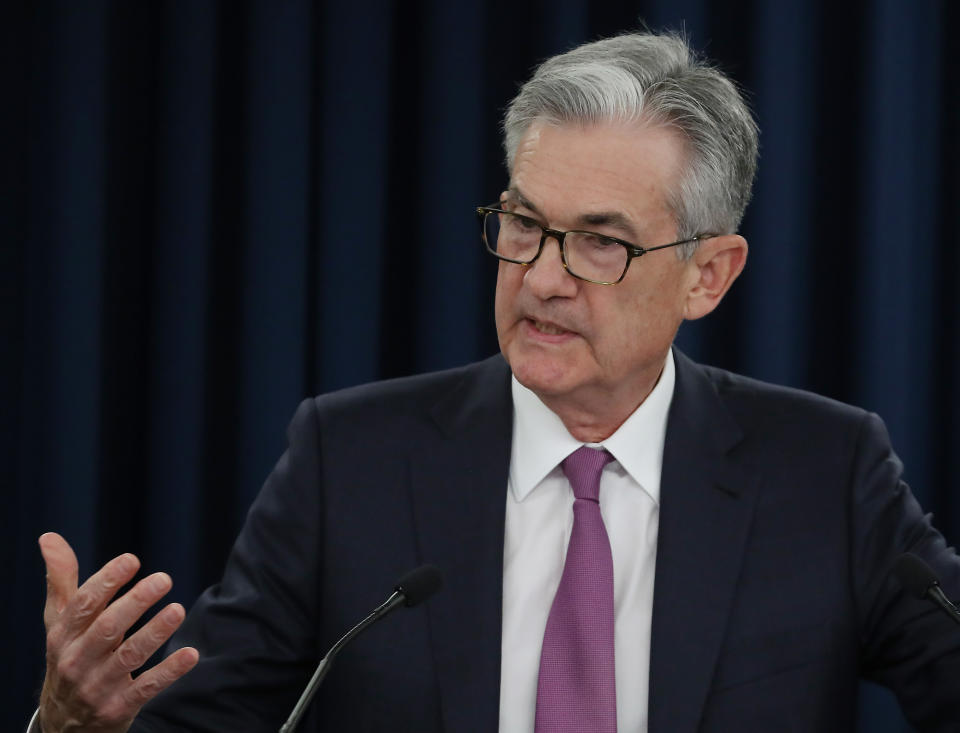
column 551, row 329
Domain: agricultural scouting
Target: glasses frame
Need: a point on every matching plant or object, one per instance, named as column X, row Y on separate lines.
column 633, row 250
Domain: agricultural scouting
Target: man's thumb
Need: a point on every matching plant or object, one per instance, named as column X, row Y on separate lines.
column 62, row 572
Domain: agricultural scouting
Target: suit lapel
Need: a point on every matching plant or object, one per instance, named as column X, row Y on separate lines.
column 707, row 503
column 459, row 502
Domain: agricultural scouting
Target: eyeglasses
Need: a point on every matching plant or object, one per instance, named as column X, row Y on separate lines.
column 588, row 256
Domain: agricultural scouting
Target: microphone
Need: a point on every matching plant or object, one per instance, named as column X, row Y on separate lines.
column 921, row 582
column 412, row 589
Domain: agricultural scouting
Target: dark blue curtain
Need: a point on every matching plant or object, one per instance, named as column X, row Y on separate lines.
column 212, row 209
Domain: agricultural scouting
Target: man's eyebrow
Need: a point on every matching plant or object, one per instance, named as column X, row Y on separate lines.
column 514, row 193
column 614, row 219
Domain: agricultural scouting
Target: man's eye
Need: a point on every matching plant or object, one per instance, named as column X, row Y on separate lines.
column 597, row 241
column 522, row 223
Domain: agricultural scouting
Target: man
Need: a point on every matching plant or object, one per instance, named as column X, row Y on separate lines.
column 630, row 541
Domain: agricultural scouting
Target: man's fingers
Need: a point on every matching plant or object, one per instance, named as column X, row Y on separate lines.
column 61, row 565
column 106, row 632
column 159, row 678
column 93, row 596
column 135, row 651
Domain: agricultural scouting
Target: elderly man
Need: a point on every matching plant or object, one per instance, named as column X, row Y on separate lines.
column 631, row 541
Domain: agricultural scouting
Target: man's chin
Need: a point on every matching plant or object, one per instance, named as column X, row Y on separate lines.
column 543, row 378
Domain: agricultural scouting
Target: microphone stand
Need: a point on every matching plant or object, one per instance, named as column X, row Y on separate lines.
column 300, row 708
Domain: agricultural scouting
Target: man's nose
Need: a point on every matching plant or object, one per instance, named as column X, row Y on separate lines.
column 547, row 277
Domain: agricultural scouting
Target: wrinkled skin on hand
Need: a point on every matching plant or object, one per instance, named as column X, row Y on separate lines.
column 88, row 684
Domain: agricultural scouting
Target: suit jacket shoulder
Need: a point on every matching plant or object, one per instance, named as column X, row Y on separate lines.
column 470, row 392
column 376, row 480
column 782, row 513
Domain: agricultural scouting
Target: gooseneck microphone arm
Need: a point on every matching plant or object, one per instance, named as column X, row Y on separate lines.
column 415, row 587
column 937, row 596
column 921, row 582
column 300, row 708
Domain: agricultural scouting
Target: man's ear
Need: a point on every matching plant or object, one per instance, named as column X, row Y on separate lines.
column 717, row 262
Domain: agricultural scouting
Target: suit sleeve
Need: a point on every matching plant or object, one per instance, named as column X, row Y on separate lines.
column 256, row 629
column 907, row 645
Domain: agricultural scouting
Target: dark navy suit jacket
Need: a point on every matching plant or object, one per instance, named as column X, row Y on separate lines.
column 781, row 513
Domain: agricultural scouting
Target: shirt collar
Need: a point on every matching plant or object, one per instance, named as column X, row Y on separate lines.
column 541, row 441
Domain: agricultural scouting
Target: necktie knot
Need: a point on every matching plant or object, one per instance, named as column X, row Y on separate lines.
column 583, row 468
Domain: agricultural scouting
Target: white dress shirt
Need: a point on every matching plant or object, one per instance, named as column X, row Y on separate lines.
column 539, row 520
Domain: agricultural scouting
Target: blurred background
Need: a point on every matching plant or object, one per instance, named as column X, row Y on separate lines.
column 211, row 210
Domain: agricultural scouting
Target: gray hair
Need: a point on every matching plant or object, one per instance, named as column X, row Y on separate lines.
column 655, row 79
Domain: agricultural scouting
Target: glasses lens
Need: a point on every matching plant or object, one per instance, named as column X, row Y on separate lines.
column 595, row 257
column 512, row 236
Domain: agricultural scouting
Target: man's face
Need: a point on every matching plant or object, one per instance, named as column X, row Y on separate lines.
column 567, row 339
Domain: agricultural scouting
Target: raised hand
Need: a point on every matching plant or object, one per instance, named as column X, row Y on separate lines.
column 88, row 684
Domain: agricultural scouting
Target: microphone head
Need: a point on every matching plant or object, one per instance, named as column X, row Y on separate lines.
column 418, row 585
column 914, row 575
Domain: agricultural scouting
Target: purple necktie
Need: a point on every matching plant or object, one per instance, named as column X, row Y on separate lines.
column 577, row 690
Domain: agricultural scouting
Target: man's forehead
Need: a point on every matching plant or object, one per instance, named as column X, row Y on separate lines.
column 577, row 148
column 604, row 174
